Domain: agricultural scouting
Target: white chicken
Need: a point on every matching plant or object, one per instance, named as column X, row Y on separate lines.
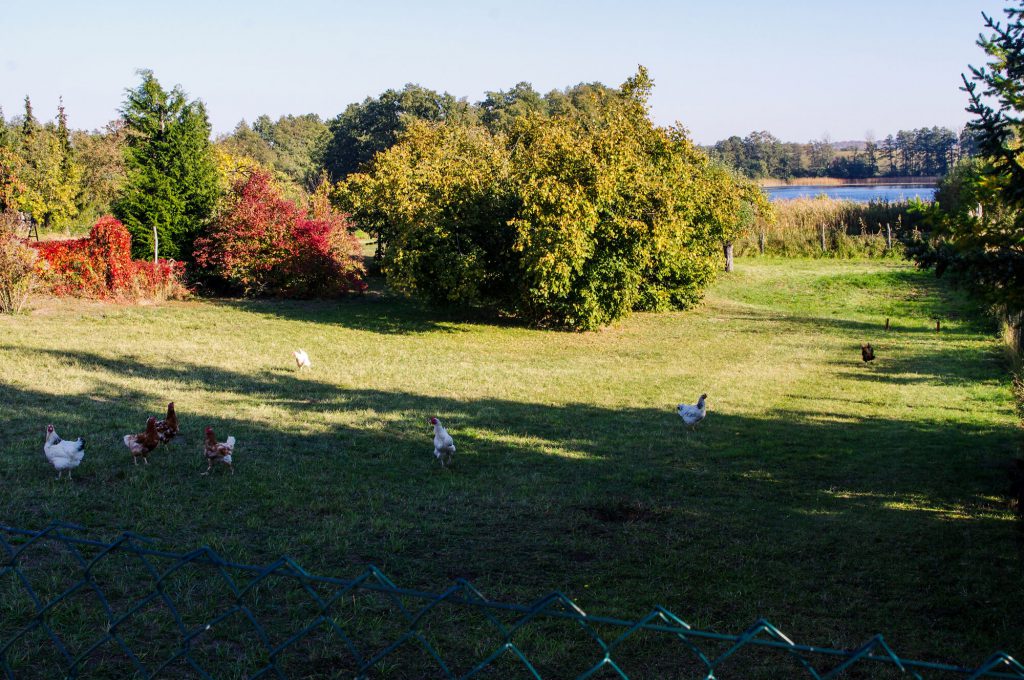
column 302, row 359
column 693, row 413
column 444, row 446
column 64, row 455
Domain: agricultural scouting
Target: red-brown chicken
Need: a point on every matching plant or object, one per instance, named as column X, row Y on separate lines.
column 142, row 443
column 218, row 452
column 167, row 429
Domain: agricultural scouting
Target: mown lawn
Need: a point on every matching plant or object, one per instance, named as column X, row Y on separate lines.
column 835, row 499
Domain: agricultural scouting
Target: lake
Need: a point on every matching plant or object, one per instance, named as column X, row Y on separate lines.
column 859, row 193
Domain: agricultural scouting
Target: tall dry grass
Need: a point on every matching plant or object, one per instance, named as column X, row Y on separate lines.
column 841, row 181
column 828, row 227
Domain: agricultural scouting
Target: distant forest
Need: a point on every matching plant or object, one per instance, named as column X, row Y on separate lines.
column 909, row 153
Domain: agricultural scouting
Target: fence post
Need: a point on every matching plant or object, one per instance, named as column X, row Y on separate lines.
column 822, row 228
column 760, row 242
column 888, row 236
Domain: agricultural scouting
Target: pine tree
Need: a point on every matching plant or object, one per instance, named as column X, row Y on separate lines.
column 64, row 139
column 29, row 124
column 172, row 186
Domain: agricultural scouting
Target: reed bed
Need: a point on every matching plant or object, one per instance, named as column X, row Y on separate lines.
column 842, row 181
column 828, row 227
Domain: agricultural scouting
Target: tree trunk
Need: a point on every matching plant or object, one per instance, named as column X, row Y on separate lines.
column 728, row 257
column 888, row 237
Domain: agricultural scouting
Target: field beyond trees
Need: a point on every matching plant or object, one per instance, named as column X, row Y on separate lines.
column 835, row 499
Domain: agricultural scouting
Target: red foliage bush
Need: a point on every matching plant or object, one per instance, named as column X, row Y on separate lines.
column 100, row 266
column 264, row 245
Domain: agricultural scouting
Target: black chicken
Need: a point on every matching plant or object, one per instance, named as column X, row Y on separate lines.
column 867, row 353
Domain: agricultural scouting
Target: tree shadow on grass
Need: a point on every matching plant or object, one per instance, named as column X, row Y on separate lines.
column 617, row 442
column 859, row 331
column 944, row 366
column 386, row 313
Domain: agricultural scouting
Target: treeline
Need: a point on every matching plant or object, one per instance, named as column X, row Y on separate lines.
column 569, row 209
column 70, row 177
column 922, row 152
column 209, row 210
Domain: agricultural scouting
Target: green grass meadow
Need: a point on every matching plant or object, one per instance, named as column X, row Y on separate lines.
column 835, row 499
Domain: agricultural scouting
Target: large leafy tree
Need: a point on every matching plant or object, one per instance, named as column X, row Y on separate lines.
column 440, row 201
column 571, row 220
column 499, row 109
column 298, row 143
column 362, row 130
column 292, row 147
column 100, row 154
column 12, row 189
column 172, row 185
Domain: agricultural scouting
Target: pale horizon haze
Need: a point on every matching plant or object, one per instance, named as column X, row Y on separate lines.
column 800, row 70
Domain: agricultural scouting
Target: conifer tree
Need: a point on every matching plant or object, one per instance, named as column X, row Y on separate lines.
column 29, row 124
column 64, row 139
column 978, row 220
column 172, row 186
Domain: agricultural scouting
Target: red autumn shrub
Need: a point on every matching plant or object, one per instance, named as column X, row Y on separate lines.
column 101, row 266
column 264, row 245
column 110, row 244
column 68, row 269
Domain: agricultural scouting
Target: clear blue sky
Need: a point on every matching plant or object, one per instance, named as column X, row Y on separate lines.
column 799, row 69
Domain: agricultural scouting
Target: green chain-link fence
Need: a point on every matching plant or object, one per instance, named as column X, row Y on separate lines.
column 75, row 607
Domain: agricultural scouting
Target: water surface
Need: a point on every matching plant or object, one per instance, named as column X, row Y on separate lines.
column 862, row 194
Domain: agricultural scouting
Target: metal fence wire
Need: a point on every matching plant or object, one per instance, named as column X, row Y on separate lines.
column 72, row 606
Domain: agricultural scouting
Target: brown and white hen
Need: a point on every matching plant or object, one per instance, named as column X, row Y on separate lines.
column 218, row 452
column 142, row 443
column 167, row 429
